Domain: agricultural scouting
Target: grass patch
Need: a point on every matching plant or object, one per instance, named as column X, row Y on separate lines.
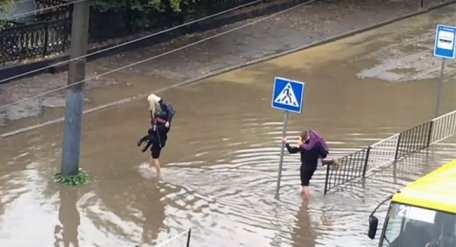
column 81, row 178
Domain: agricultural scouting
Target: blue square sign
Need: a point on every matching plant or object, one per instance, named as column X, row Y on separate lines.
column 288, row 95
column 445, row 41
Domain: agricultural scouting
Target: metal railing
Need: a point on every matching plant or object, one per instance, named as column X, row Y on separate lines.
column 349, row 167
column 413, row 139
column 34, row 40
column 382, row 152
column 395, row 147
column 443, row 127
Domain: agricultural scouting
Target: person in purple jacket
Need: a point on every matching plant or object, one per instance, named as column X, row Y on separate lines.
column 312, row 147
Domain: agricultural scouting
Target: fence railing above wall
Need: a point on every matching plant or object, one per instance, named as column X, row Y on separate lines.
column 35, row 40
column 389, row 150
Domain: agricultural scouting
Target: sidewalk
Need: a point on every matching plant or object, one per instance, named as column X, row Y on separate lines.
column 303, row 26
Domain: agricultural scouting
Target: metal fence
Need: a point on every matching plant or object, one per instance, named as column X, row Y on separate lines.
column 382, row 152
column 34, row 40
column 350, row 167
column 413, row 140
column 48, row 33
column 443, row 127
column 395, row 147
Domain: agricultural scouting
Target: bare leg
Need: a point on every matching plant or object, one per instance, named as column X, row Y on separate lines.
column 305, row 192
column 151, row 162
column 156, row 164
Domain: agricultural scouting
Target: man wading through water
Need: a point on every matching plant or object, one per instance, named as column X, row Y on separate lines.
column 312, row 147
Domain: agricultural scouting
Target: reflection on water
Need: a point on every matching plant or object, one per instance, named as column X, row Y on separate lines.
column 220, row 163
column 67, row 231
column 153, row 213
column 303, row 231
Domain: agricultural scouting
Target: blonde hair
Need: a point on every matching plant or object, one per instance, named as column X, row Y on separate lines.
column 302, row 137
column 153, row 102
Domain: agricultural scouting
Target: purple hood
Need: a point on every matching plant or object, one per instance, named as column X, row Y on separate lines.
column 314, row 138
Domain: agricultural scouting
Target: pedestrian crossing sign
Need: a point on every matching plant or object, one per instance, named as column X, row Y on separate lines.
column 288, row 95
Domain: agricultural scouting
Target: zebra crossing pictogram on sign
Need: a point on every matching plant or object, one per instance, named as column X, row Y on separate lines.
column 287, row 95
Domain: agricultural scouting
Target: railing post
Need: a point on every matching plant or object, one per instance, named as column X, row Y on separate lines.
column 67, row 33
column 366, row 161
column 46, row 38
column 189, row 236
column 327, row 178
column 431, row 125
column 397, row 146
column 422, row 3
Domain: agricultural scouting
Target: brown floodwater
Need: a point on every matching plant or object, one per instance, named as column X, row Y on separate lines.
column 220, row 163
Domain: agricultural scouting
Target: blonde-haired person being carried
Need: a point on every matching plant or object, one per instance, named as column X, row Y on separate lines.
column 161, row 115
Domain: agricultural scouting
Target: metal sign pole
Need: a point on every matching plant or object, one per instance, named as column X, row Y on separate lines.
column 439, row 92
column 284, row 133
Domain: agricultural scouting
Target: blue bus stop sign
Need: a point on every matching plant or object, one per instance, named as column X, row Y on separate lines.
column 288, row 95
column 445, row 42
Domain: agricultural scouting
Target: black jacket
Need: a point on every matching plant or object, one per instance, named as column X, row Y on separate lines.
column 166, row 111
column 309, row 159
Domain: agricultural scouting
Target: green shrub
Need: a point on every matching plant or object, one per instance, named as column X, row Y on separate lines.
column 81, row 178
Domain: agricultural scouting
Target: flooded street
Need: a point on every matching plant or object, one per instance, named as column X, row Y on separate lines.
column 220, row 163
